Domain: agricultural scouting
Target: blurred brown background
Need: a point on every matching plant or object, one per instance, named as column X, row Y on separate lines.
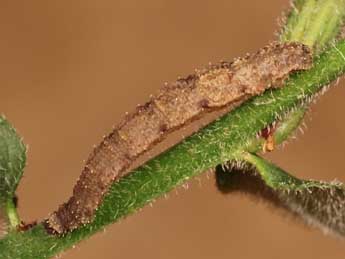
column 71, row 69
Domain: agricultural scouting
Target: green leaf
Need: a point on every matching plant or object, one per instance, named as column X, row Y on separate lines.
column 319, row 204
column 314, row 23
column 12, row 160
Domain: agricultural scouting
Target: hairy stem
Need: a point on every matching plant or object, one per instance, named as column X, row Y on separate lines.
column 314, row 23
column 13, row 217
column 284, row 130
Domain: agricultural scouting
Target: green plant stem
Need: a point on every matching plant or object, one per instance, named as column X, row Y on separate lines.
column 284, row 130
column 314, row 22
column 272, row 175
column 215, row 144
column 12, row 214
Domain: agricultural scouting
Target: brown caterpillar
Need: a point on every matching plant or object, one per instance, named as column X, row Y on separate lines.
column 175, row 104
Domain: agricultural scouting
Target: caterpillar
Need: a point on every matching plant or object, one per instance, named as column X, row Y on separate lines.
column 176, row 104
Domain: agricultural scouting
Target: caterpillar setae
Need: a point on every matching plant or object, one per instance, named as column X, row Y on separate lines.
column 176, row 104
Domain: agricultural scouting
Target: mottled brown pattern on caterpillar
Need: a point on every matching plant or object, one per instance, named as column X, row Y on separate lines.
column 175, row 104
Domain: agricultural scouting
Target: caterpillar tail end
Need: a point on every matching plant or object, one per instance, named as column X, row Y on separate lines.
column 53, row 225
